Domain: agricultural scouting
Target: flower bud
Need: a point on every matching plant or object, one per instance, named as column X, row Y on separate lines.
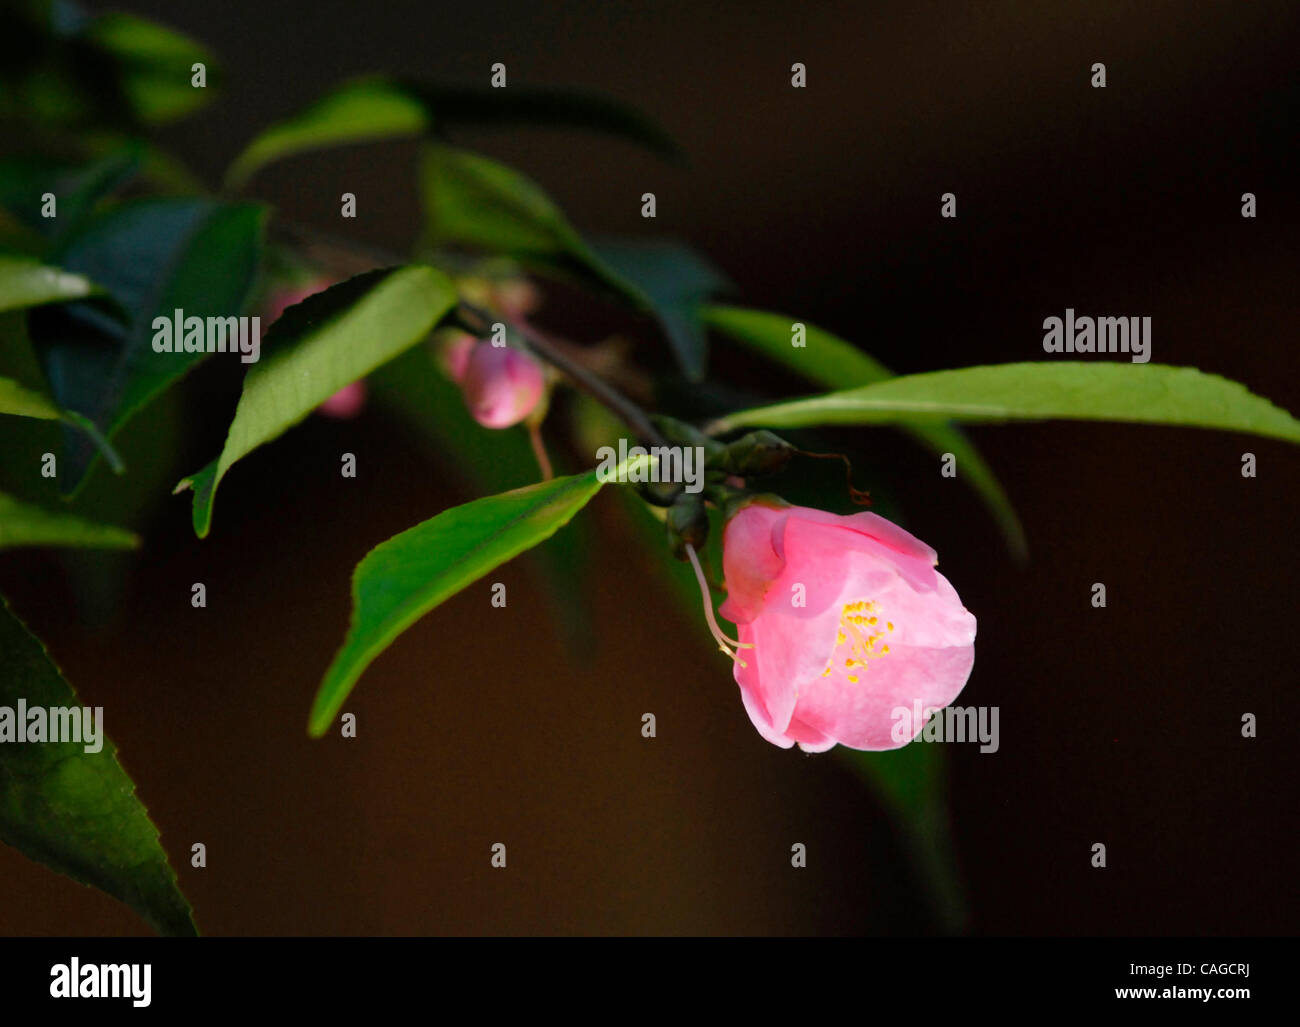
column 758, row 453
column 502, row 385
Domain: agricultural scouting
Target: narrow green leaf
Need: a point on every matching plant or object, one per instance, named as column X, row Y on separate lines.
column 22, row 524
column 357, row 112
column 1074, row 390
column 154, row 256
column 836, row 364
column 73, row 810
column 401, row 580
column 374, row 108
column 317, row 347
column 418, row 392
column 25, row 282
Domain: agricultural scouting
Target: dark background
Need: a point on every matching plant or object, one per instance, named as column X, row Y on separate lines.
column 1119, row 725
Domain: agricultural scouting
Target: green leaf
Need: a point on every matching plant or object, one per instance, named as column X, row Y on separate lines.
column 830, row 361
column 472, row 201
column 25, row 282
column 475, row 202
column 486, row 461
column 401, row 580
column 76, row 811
column 23, row 402
column 374, row 108
column 22, row 524
column 357, row 112
column 154, row 257
column 1075, row 390
column 317, row 347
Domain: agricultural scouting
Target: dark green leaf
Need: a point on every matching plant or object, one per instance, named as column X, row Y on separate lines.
column 324, row 343
column 676, row 281
column 76, row 811
column 154, row 257
column 401, row 580
column 76, row 187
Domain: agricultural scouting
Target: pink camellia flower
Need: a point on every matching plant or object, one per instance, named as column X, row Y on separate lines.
column 349, row 400
column 502, row 385
column 843, row 624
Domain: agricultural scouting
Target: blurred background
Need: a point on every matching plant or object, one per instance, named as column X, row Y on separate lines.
column 480, row 725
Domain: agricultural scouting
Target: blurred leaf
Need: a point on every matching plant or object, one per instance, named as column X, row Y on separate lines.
column 676, row 281
column 318, row 346
column 401, row 580
column 22, row 524
column 475, row 202
column 62, row 67
column 1138, row 393
column 912, row 783
column 75, row 811
column 357, row 112
column 375, row 108
column 834, row 363
column 155, row 65
column 24, row 402
column 77, row 187
column 154, row 257
column 25, row 282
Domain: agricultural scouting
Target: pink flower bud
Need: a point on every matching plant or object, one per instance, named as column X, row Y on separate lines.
column 346, row 403
column 501, row 385
column 843, row 622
